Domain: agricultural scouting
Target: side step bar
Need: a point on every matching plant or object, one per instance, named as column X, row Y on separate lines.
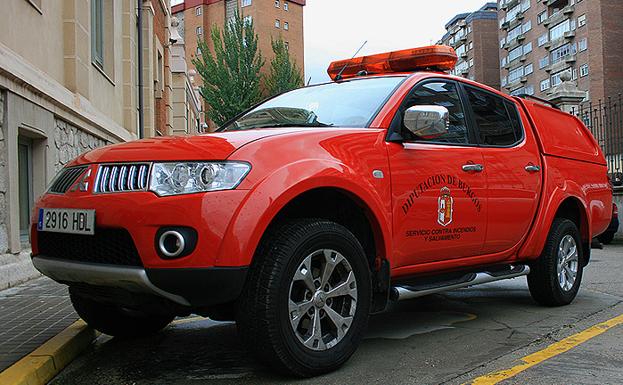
column 399, row 293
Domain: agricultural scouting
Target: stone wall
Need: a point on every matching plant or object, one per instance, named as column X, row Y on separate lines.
column 71, row 142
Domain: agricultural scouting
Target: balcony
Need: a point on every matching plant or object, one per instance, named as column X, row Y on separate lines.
column 463, row 39
column 569, row 35
column 463, row 55
column 509, row 4
column 559, row 16
column 570, row 59
column 520, row 16
column 524, row 79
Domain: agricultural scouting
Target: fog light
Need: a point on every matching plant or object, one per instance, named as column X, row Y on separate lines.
column 175, row 242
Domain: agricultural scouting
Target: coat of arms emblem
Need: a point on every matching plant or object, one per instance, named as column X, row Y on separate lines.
column 444, row 207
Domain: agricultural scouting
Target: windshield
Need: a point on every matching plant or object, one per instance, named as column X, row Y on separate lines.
column 351, row 103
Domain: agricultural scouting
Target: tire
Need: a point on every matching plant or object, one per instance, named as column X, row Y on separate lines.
column 117, row 321
column 546, row 286
column 606, row 238
column 270, row 320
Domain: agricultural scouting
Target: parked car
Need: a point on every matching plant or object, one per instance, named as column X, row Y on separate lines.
column 304, row 215
column 608, row 235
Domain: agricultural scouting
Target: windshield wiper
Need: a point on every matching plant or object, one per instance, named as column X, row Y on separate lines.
column 278, row 125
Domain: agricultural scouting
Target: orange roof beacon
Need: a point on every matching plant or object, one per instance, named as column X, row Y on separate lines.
column 306, row 213
column 433, row 58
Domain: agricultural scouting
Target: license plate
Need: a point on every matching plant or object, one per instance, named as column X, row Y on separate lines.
column 70, row 221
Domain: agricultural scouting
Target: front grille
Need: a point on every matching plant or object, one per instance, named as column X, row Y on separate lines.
column 66, row 179
column 107, row 246
column 122, row 177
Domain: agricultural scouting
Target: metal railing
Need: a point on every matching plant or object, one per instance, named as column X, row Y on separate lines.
column 605, row 120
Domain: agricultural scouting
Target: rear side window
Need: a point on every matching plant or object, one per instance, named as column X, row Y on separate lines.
column 497, row 119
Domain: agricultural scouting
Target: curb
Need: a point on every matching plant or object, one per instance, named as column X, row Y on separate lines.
column 49, row 359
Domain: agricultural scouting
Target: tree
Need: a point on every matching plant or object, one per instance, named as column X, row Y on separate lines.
column 230, row 74
column 284, row 74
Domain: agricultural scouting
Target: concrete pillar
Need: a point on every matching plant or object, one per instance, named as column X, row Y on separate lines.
column 566, row 95
column 148, row 70
column 76, row 43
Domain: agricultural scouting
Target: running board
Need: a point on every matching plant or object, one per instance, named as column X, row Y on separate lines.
column 399, row 293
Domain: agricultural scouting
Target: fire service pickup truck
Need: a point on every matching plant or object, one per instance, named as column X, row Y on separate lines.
column 307, row 213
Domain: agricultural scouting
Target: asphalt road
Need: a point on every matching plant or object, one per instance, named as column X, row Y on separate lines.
column 440, row 339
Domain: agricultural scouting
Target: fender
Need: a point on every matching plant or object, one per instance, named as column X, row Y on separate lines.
column 272, row 194
column 556, row 193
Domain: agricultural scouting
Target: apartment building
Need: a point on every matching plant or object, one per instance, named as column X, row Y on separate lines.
column 541, row 39
column 272, row 19
column 69, row 82
column 474, row 37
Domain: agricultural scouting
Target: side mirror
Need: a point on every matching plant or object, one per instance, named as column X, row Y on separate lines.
column 427, row 122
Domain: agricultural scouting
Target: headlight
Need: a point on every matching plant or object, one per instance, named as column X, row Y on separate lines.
column 191, row 177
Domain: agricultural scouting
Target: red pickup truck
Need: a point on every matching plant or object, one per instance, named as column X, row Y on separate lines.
column 304, row 215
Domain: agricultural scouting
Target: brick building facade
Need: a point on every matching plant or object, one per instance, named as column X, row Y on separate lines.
column 474, row 36
column 272, row 19
column 541, row 39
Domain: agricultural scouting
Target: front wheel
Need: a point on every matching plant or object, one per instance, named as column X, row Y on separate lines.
column 555, row 277
column 306, row 303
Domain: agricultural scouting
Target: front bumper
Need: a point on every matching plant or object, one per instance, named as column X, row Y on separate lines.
column 142, row 214
column 192, row 288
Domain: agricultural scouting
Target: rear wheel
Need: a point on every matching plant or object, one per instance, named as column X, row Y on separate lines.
column 556, row 276
column 118, row 321
column 305, row 307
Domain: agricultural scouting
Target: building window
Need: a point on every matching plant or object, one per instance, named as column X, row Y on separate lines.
column 504, row 81
column 541, row 17
column 24, row 160
column 471, row 45
column 527, row 26
column 277, row 23
column 471, row 62
column 583, row 44
column 502, row 42
column 248, row 20
column 528, row 69
column 286, row 25
column 545, row 85
column 559, row 30
column 515, row 74
column 277, row 4
column 198, row 51
column 198, row 11
column 287, row 45
column 584, row 70
column 245, row 3
column 581, row 21
column 97, row 32
column 562, row 53
column 544, row 62
column 544, row 38
column 199, row 31
column 286, row 7
column 527, row 48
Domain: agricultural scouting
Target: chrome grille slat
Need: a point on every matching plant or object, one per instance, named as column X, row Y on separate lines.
column 66, row 179
column 124, row 177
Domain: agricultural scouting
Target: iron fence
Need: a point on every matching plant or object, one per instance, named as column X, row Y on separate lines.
column 605, row 120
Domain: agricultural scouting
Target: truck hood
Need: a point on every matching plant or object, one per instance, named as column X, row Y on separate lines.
column 214, row 146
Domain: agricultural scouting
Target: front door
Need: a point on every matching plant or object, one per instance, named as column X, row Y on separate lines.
column 438, row 186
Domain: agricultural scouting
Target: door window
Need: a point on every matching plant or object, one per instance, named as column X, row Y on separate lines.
column 443, row 94
column 496, row 118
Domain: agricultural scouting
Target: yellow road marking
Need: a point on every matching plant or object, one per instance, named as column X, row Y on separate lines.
column 551, row 351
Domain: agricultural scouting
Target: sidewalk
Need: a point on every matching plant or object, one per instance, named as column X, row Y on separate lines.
column 31, row 314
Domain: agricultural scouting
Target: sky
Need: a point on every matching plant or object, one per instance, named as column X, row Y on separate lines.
column 335, row 29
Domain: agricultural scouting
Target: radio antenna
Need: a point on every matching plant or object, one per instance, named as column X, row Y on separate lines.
column 339, row 75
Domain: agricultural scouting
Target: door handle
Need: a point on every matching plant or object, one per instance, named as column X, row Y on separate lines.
column 470, row 167
column 532, row 168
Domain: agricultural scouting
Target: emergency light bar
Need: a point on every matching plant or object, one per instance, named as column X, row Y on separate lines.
column 435, row 57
